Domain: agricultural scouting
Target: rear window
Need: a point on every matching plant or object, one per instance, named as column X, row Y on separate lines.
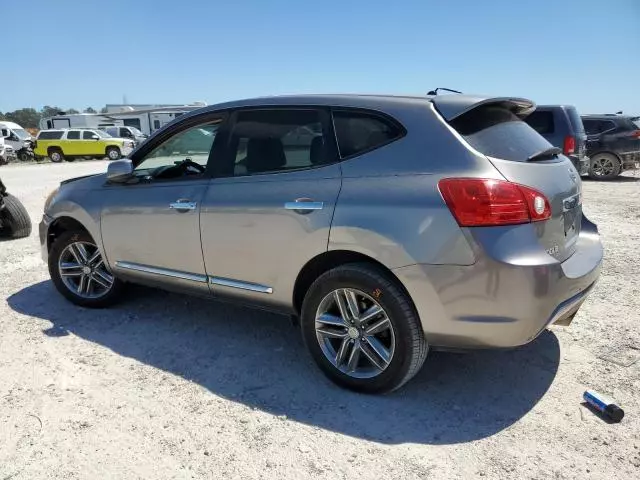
column 360, row 132
column 50, row 135
column 576, row 121
column 541, row 121
column 497, row 132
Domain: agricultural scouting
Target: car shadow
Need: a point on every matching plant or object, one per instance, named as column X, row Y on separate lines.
column 619, row 179
column 258, row 359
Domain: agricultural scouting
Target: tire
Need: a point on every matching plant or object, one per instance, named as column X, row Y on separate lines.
column 70, row 159
column 371, row 286
column 113, row 153
column 55, row 155
column 604, row 166
column 96, row 295
column 15, row 219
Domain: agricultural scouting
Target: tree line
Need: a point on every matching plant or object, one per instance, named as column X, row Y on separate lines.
column 30, row 117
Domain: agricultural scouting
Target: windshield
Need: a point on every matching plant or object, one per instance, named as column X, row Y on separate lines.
column 102, row 134
column 21, row 132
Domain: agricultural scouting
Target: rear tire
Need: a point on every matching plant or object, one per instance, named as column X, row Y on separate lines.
column 604, row 166
column 100, row 288
column 15, row 219
column 404, row 345
column 55, row 155
column 113, row 153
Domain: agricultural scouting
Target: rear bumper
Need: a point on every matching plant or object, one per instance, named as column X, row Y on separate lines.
column 502, row 303
column 630, row 160
column 581, row 163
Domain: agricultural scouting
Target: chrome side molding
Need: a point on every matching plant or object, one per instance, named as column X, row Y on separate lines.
column 228, row 282
column 162, row 271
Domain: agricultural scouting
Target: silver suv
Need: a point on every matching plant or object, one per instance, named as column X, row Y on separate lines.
column 387, row 225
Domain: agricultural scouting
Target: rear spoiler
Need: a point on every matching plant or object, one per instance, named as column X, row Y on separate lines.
column 454, row 106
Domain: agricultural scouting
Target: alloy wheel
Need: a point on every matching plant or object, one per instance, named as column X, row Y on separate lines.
column 603, row 166
column 83, row 271
column 355, row 333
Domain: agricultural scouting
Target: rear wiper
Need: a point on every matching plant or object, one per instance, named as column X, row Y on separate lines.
column 545, row 154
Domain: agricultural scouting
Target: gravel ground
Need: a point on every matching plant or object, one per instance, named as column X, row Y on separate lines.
column 170, row 387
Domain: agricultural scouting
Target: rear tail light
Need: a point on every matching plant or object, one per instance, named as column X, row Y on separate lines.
column 635, row 133
column 569, row 146
column 480, row 202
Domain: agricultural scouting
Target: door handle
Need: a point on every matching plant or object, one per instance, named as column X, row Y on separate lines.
column 183, row 205
column 304, row 206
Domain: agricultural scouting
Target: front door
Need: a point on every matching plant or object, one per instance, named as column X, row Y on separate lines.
column 151, row 228
column 89, row 144
column 272, row 211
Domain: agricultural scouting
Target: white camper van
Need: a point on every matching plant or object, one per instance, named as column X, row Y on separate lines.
column 14, row 135
column 78, row 120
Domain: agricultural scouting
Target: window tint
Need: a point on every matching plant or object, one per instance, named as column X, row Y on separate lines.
column 192, row 144
column 594, row 127
column 277, row 140
column 497, row 132
column 73, row 135
column 88, row 135
column 358, row 132
column 43, row 135
column 541, row 121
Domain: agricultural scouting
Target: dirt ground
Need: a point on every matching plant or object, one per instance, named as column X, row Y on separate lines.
column 170, row 387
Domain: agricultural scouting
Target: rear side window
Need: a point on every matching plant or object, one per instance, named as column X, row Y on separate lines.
column 360, row 132
column 541, row 121
column 73, row 135
column 576, row 121
column 594, row 127
column 497, row 132
column 50, row 135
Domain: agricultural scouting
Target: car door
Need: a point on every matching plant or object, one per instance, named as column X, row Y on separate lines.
column 72, row 144
column 268, row 210
column 151, row 226
column 90, row 143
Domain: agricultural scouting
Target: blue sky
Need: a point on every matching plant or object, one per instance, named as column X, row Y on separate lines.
column 74, row 54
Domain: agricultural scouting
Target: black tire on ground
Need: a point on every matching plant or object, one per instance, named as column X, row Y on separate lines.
column 110, row 298
column 411, row 346
column 604, row 166
column 15, row 219
column 113, row 153
column 55, row 155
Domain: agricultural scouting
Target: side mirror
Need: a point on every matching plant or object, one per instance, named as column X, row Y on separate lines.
column 95, row 137
column 119, row 171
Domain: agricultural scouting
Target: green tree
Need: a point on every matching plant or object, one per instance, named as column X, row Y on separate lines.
column 72, row 111
column 25, row 117
column 90, row 110
column 48, row 111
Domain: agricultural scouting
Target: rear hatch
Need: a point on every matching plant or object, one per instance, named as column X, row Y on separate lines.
column 494, row 128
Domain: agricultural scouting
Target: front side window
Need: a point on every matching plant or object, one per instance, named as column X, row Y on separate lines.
column 265, row 141
column 360, row 132
column 89, row 135
column 184, row 154
column 73, row 135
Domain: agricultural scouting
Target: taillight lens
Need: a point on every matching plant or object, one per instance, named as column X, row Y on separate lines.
column 569, row 146
column 481, row 202
column 636, row 133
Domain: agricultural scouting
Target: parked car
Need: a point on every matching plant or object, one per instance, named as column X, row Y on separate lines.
column 7, row 153
column 131, row 133
column 562, row 126
column 14, row 219
column 613, row 143
column 404, row 224
column 69, row 144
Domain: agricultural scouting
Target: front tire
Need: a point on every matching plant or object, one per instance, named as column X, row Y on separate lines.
column 15, row 219
column 56, row 155
column 79, row 273
column 604, row 166
column 362, row 329
column 113, row 153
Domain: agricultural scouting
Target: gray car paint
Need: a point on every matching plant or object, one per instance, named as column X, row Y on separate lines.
column 492, row 286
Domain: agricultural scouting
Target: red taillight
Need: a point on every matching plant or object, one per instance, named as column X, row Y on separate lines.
column 569, row 146
column 476, row 202
column 636, row 133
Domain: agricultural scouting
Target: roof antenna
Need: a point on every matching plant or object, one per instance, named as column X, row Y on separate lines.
column 435, row 92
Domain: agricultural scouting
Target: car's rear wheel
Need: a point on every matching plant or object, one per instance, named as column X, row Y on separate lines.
column 604, row 166
column 79, row 272
column 113, row 153
column 362, row 329
column 55, row 155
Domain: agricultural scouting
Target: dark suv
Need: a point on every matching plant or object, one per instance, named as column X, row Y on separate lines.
column 562, row 127
column 613, row 143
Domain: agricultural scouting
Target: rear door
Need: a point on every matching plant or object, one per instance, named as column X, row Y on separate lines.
column 269, row 210
column 73, row 145
column 510, row 144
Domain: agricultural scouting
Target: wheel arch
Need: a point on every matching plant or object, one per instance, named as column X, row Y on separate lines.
column 60, row 225
column 331, row 259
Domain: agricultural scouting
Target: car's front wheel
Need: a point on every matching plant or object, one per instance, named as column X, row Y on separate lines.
column 113, row 153
column 362, row 329
column 79, row 272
